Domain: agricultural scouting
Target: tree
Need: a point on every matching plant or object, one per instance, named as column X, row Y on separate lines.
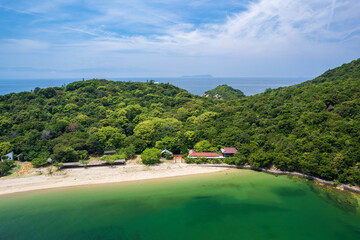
column 5, row 148
column 70, row 107
column 47, row 92
column 145, row 130
column 93, row 144
column 151, row 156
column 261, row 159
column 39, row 162
column 168, row 156
column 5, row 125
column 82, row 119
column 110, row 137
column 132, row 111
column 64, row 154
column 204, row 146
column 168, row 128
column 5, row 167
column 139, row 144
column 170, row 143
column 129, row 151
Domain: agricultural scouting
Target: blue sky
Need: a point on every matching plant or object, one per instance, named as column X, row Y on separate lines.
column 138, row 38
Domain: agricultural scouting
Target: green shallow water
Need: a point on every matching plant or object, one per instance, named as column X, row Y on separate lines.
column 234, row 204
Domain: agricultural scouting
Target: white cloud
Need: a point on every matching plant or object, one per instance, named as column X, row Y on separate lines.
column 278, row 37
column 270, row 26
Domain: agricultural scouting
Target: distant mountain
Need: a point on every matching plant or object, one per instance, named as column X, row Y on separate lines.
column 224, row 92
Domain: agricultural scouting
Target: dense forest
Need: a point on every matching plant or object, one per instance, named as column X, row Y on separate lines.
column 313, row 127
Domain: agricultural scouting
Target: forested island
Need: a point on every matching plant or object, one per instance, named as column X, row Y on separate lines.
column 224, row 92
column 313, row 127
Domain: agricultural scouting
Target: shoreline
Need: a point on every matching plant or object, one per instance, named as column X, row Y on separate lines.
column 130, row 173
column 101, row 175
column 288, row 173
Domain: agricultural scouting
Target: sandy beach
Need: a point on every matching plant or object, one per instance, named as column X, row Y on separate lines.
column 99, row 175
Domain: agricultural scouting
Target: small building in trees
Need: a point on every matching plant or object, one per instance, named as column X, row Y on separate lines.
column 9, row 156
column 110, row 152
column 229, row 151
column 167, row 154
column 226, row 152
column 166, row 151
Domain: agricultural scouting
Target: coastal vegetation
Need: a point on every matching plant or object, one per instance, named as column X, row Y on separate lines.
column 313, row 127
column 151, row 156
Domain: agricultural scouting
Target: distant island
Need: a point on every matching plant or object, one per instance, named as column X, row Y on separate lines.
column 198, row 76
column 224, row 92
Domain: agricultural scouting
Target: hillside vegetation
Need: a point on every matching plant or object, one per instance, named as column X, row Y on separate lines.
column 313, row 127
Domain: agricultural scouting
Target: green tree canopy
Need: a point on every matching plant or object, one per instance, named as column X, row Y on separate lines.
column 110, row 137
column 204, row 146
column 5, row 148
column 151, row 156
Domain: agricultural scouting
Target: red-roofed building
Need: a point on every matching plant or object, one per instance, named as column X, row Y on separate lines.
column 226, row 152
column 229, row 151
column 194, row 154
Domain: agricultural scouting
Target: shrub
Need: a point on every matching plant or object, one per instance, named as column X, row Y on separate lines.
column 64, row 154
column 241, row 160
column 151, row 156
column 203, row 160
column 189, row 160
column 230, row 160
column 109, row 158
column 168, row 156
column 58, row 165
column 130, row 151
column 82, row 154
column 39, row 162
column 5, row 167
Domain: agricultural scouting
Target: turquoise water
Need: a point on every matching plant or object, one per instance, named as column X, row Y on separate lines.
column 249, row 86
column 235, row 204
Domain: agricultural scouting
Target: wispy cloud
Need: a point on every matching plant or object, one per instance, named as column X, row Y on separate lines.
column 23, row 45
column 333, row 4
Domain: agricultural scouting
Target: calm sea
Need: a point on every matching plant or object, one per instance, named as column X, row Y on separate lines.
column 249, row 86
column 236, row 204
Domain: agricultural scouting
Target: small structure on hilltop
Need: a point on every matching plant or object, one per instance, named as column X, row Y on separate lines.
column 209, row 155
column 229, row 151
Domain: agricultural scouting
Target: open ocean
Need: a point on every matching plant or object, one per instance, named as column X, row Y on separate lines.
column 198, row 86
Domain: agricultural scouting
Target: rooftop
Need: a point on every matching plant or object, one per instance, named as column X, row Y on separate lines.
column 193, row 153
column 229, row 150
